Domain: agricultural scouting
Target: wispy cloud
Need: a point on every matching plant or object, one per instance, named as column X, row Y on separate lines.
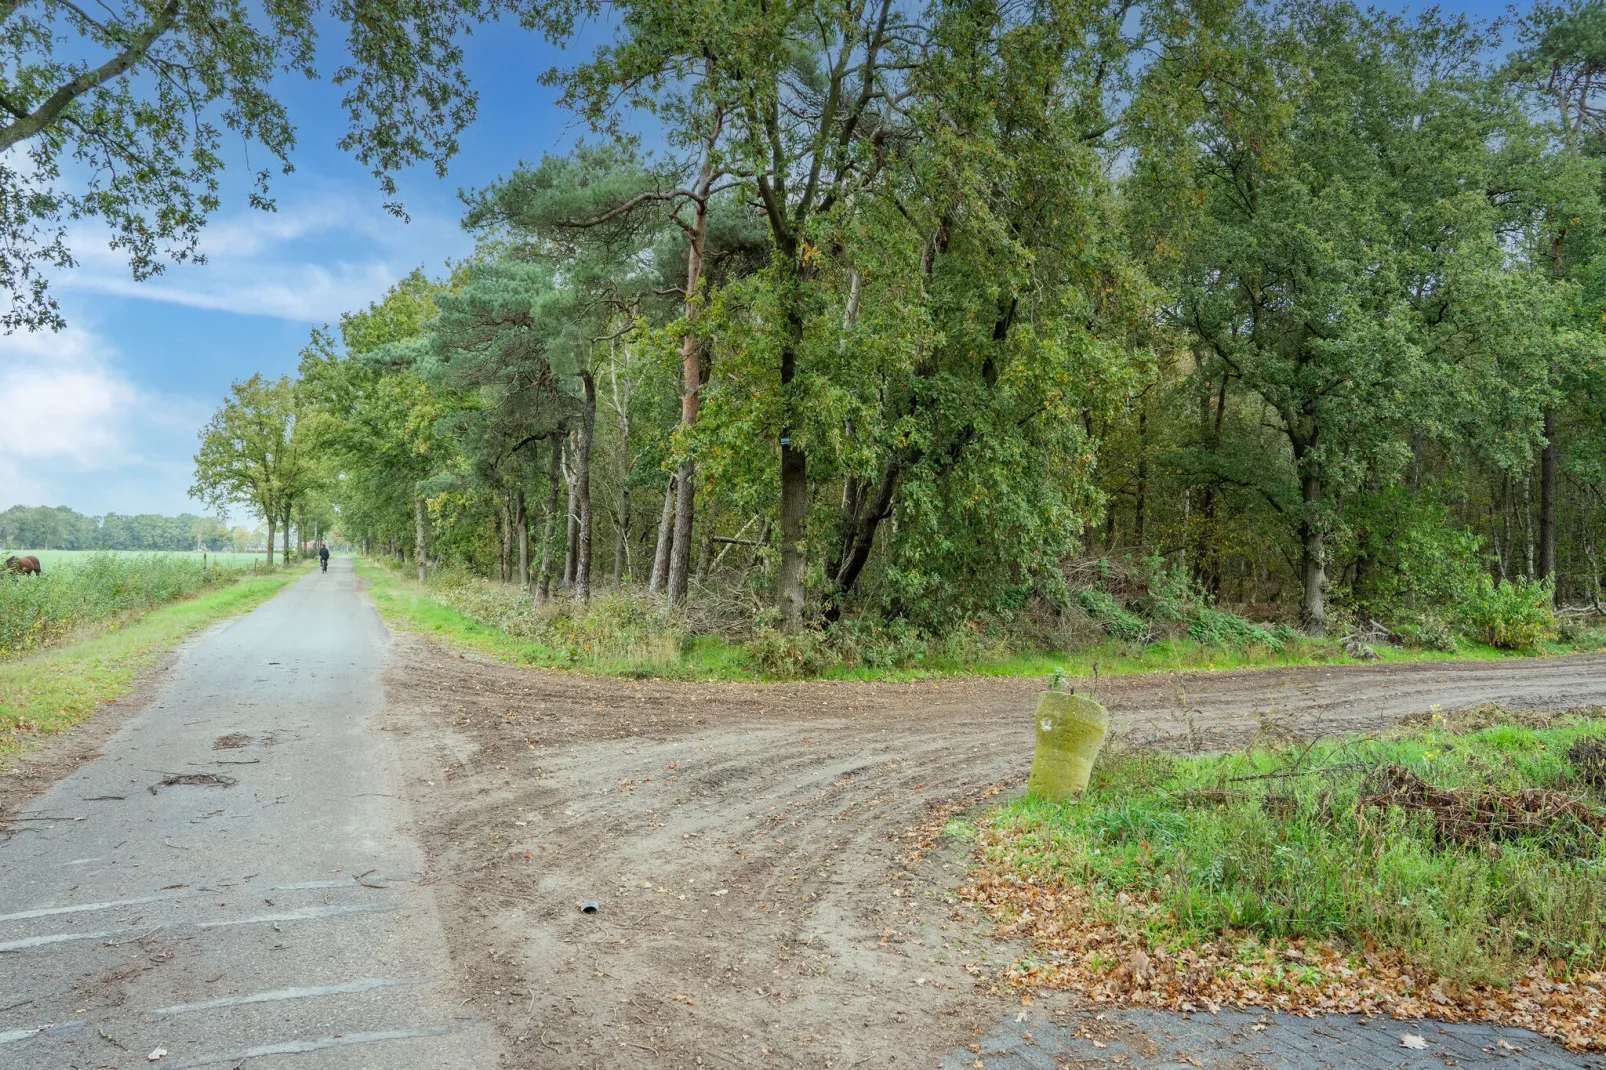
column 322, row 253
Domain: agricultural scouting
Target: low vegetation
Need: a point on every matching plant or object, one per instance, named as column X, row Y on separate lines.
column 1455, row 867
column 46, row 691
column 37, row 611
column 1091, row 631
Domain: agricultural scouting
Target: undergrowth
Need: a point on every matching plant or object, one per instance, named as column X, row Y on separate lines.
column 1090, row 631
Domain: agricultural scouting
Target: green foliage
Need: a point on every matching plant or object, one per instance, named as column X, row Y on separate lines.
column 124, row 115
column 1216, row 627
column 1191, row 851
column 1513, row 614
column 1429, row 633
column 1118, row 623
column 36, row 611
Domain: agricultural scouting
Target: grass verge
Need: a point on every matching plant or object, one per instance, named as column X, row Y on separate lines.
column 1453, row 869
column 45, row 692
column 626, row 636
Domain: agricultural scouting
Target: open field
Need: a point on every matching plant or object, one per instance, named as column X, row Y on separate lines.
column 51, row 559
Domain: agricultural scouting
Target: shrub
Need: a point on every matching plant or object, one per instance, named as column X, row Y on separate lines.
column 1215, row 626
column 615, row 628
column 1511, row 614
column 1118, row 623
column 1429, row 633
column 789, row 655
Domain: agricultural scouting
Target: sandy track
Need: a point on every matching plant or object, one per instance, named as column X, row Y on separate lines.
column 751, row 845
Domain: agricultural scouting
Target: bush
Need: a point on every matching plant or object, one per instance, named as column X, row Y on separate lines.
column 614, row 628
column 1510, row 615
column 789, row 655
column 1218, row 627
column 1429, row 633
column 1118, row 623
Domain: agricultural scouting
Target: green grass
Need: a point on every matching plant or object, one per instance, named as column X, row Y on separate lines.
column 50, row 559
column 628, row 637
column 1187, row 850
column 45, row 692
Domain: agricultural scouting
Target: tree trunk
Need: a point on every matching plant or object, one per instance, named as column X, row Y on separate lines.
column 691, row 376
column 582, row 485
column 789, row 592
column 1547, row 498
column 870, row 515
column 543, row 589
column 1143, row 473
column 705, row 556
column 660, row 554
column 418, row 537
column 1528, row 523
column 621, row 539
column 286, row 536
column 1313, row 609
column 572, row 552
column 504, row 540
column 522, row 522
column 269, row 519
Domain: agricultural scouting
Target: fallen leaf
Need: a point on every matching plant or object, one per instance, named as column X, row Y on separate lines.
column 157, row 1055
column 1412, row 1040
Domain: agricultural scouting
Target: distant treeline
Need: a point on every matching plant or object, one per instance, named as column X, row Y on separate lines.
column 46, row 527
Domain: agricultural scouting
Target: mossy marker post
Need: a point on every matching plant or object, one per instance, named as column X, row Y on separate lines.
column 1070, row 732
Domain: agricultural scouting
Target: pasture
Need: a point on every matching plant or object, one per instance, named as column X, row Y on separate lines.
column 81, row 590
column 50, row 559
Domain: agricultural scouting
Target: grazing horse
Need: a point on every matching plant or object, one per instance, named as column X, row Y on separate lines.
column 24, row 565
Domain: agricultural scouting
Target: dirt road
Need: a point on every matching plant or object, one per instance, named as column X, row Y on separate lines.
column 755, row 850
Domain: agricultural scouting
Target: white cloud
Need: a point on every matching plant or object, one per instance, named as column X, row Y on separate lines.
column 316, row 257
column 60, row 399
column 73, row 426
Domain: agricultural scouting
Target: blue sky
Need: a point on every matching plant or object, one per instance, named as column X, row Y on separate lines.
column 103, row 416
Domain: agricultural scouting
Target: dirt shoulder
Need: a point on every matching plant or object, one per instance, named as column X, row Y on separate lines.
column 756, row 850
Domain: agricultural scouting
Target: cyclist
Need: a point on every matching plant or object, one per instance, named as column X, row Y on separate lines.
column 323, row 556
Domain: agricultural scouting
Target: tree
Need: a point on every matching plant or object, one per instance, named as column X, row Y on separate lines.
column 1561, row 57
column 250, row 453
column 123, row 112
column 1308, row 178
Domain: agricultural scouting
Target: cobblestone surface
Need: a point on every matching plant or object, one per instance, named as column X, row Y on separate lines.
column 1238, row 1040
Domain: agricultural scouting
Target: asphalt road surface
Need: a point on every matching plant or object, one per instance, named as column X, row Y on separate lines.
column 272, row 916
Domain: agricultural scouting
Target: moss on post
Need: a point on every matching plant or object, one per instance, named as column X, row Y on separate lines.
column 1070, row 731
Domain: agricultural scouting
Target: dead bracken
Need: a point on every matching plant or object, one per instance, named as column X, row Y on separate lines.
column 1554, row 818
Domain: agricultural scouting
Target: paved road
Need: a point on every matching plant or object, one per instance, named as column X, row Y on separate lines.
column 276, row 920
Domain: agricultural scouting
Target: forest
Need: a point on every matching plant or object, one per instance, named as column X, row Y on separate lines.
column 1036, row 320
column 45, row 527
